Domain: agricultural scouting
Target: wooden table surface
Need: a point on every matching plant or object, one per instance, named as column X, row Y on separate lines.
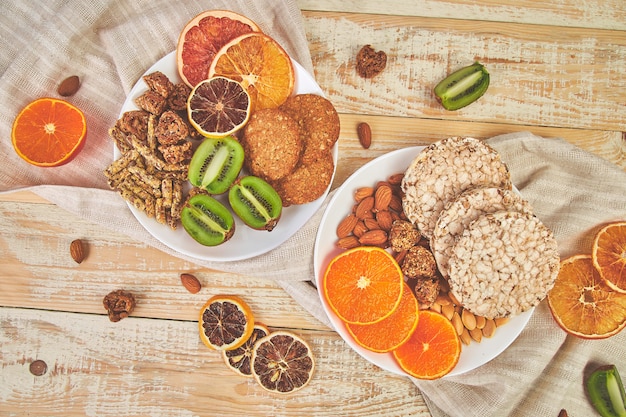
column 557, row 71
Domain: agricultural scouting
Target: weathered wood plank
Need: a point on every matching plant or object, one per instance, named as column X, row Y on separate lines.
column 159, row 368
column 540, row 76
column 599, row 14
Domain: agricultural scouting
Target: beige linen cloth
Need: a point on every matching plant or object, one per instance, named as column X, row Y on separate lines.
column 110, row 44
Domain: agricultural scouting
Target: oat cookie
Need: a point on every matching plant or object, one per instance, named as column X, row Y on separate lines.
column 272, row 144
column 442, row 171
column 308, row 182
column 503, row 264
column 467, row 207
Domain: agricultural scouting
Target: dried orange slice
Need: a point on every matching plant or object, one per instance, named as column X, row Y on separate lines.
column 609, row 255
column 433, row 350
column 583, row 304
column 391, row 332
column 282, row 362
column 49, row 132
column 218, row 107
column 261, row 65
column 225, row 322
column 202, row 37
column 363, row 285
column 239, row 359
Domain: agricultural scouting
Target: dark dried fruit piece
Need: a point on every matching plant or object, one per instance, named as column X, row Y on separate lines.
column 69, row 86
column 119, row 304
column 216, row 164
column 207, row 220
column 369, row 62
column 463, row 87
column 256, row 203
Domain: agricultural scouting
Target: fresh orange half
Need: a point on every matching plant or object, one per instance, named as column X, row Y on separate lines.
column 261, row 65
column 391, row 332
column 363, row 285
column 433, row 350
column 225, row 322
column 609, row 255
column 202, row 37
column 583, row 304
column 49, row 132
column 218, row 107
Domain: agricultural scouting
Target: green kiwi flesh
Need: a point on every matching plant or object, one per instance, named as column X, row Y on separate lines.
column 216, row 164
column 463, row 87
column 207, row 220
column 255, row 202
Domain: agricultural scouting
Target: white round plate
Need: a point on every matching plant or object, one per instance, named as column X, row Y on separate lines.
column 473, row 355
column 246, row 242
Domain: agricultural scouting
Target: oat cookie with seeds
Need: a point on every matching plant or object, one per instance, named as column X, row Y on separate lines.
column 467, row 207
column 503, row 264
column 442, row 171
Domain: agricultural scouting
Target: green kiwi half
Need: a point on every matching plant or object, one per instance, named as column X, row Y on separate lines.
column 207, row 220
column 463, row 87
column 255, row 202
column 216, row 164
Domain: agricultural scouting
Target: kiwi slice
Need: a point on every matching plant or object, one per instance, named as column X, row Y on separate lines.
column 463, row 87
column 216, row 164
column 207, row 220
column 255, row 202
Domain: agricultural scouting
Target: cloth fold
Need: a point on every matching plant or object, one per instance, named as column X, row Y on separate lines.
column 112, row 43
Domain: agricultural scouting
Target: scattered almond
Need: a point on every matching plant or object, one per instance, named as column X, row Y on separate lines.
column 191, row 283
column 69, row 86
column 364, row 131
column 77, row 251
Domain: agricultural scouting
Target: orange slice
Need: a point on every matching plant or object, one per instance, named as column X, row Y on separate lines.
column 239, row 359
column 49, row 132
column 363, row 285
column 261, row 65
column 225, row 322
column 609, row 255
column 392, row 331
column 583, row 304
column 433, row 350
column 218, row 107
column 202, row 37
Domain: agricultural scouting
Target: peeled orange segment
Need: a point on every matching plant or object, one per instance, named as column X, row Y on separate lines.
column 261, row 65
column 225, row 322
column 433, row 350
column 218, row 107
column 583, row 304
column 609, row 255
column 363, row 285
column 391, row 332
column 239, row 359
column 49, row 132
column 282, row 362
column 202, row 37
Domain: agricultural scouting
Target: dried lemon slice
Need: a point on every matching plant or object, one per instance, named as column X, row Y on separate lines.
column 225, row 322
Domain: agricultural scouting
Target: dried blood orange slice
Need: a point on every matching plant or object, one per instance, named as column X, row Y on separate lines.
column 218, row 107
column 363, row 285
column 202, row 37
column 433, row 349
column 225, row 322
column 583, row 304
column 261, row 65
column 609, row 255
column 282, row 362
column 49, row 132
column 239, row 359
column 391, row 332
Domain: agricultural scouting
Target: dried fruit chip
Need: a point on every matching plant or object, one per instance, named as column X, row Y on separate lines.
column 282, row 362
column 225, row 322
column 609, row 255
column 239, row 360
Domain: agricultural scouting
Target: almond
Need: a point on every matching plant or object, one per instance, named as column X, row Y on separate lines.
column 77, row 251
column 364, row 209
column 364, row 132
column 359, row 229
column 384, row 219
column 362, row 193
column 348, row 242
column 373, row 238
column 346, row 226
column 396, row 179
column 371, row 224
column 69, row 86
column 382, row 198
column 191, row 283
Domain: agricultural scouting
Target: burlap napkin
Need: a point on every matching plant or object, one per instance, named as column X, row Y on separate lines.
column 110, row 44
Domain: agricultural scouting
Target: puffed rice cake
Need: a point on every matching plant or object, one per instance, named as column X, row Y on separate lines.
column 503, row 264
column 442, row 171
column 464, row 209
